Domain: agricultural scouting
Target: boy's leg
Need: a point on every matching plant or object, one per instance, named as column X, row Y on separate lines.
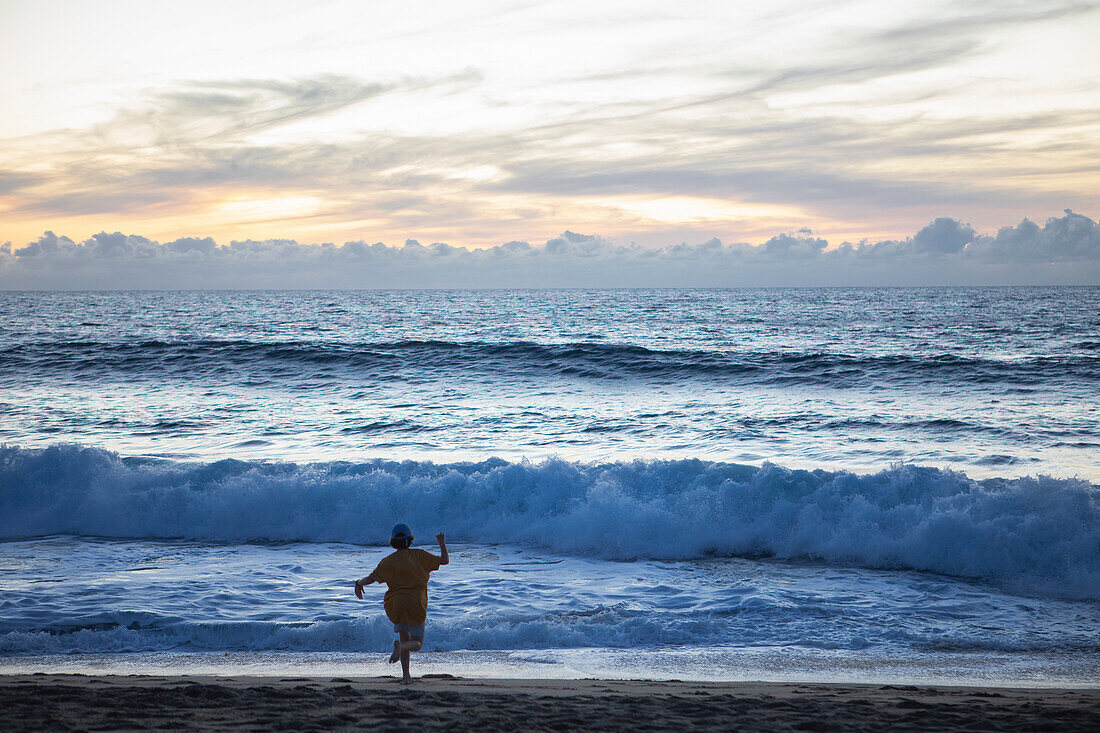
column 405, row 676
column 408, row 645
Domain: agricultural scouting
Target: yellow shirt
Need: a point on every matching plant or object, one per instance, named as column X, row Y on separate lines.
column 406, row 573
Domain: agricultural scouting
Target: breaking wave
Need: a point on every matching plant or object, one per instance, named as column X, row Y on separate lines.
column 1035, row 534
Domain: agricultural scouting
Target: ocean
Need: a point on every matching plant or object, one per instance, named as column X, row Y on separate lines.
column 813, row 484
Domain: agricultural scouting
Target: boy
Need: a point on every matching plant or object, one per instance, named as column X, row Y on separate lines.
column 406, row 573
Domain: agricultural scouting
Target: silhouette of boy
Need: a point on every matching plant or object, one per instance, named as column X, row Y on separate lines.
column 406, row 573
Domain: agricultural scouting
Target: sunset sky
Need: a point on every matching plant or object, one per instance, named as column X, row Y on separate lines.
column 480, row 123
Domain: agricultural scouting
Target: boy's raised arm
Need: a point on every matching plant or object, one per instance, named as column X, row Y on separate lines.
column 444, row 558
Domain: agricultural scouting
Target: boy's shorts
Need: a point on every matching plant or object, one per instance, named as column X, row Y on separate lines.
column 416, row 631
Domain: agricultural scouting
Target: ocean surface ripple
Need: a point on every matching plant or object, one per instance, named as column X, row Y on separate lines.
column 992, row 381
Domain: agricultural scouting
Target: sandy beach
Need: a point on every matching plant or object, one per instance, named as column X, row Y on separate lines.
column 77, row 702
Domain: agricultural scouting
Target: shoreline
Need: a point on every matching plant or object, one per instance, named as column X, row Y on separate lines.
column 214, row 702
column 697, row 666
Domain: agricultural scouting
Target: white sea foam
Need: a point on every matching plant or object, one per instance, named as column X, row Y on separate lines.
column 151, row 596
column 1037, row 535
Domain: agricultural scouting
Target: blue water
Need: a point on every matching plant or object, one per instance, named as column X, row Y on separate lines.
column 849, row 483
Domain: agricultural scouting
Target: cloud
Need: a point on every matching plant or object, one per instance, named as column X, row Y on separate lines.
column 48, row 244
column 11, row 182
column 1071, row 238
column 943, row 236
column 716, row 122
column 940, row 36
column 198, row 138
column 967, row 18
column 1065, row 250
column 226, row 111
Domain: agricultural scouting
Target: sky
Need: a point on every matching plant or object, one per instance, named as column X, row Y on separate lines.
column 640, row 134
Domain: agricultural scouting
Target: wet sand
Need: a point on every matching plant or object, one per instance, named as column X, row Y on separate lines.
column 78, row 702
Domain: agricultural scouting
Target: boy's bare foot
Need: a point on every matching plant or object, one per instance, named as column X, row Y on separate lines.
column 396, row 652
column 406, row 680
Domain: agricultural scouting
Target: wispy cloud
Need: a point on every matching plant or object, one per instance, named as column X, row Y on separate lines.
column 224, row 112
column 192, row 139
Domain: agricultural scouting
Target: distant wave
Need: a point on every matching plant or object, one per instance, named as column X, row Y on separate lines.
column 409, row 359
column 1036, row 534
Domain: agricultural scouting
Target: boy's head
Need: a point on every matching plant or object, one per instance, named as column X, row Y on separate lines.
column 401, row 537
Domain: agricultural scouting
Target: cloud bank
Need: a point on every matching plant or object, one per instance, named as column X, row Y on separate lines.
column 1064, row 251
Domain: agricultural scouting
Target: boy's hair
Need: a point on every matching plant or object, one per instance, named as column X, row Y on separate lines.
column 401, row 543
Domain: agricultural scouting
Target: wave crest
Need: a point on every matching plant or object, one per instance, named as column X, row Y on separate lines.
column 1032, row 534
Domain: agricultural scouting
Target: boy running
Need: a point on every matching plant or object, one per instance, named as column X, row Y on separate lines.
column 406, row 573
